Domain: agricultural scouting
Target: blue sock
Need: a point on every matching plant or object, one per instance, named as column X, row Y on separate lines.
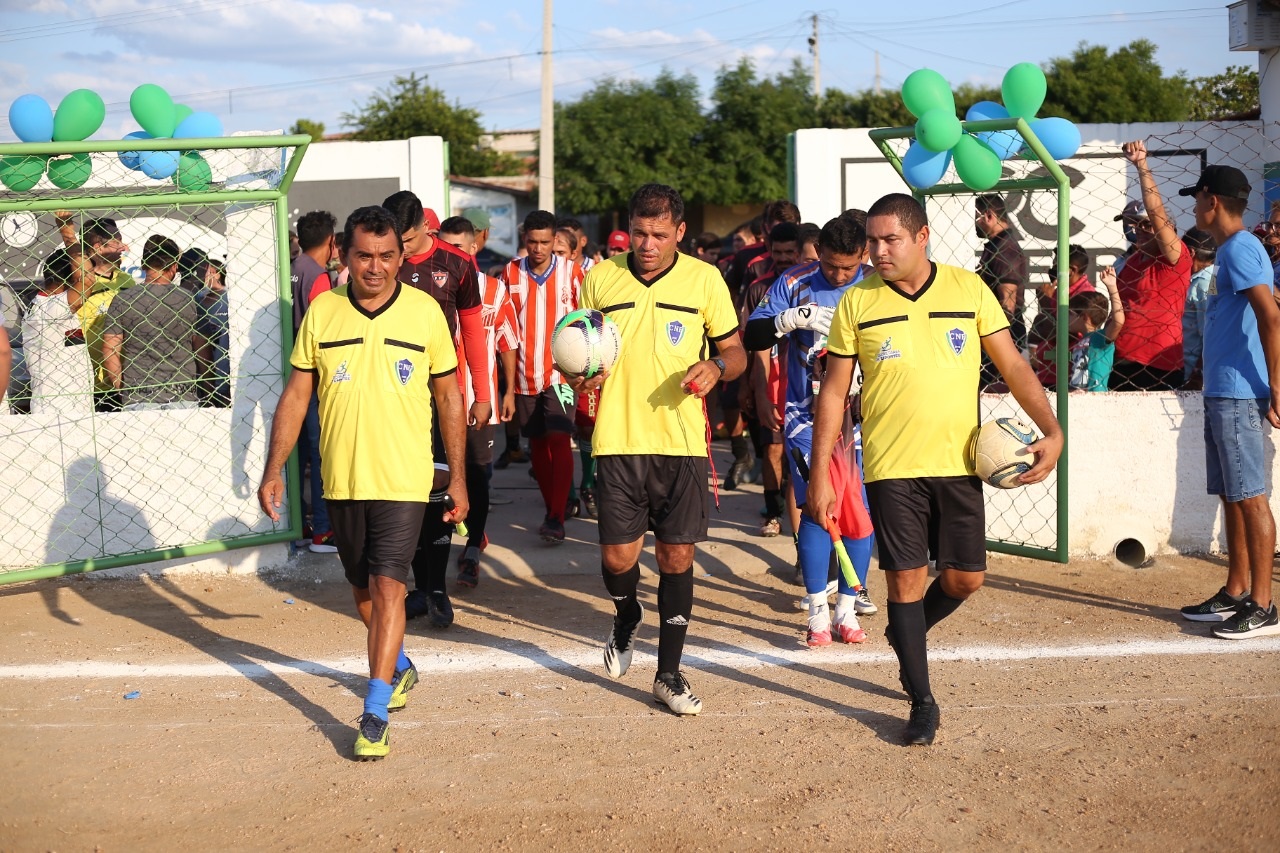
column 376, row 701
column 860, row 555
column 814, row 546
column 403, row 662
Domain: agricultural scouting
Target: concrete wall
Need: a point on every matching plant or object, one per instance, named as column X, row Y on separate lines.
column 336, row 176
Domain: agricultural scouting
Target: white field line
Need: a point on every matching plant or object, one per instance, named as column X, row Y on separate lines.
column 493, row 661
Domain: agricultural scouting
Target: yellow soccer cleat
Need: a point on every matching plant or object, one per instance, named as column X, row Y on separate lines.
column 373, row 738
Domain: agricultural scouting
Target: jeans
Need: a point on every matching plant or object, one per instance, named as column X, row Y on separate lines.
column 320, row 524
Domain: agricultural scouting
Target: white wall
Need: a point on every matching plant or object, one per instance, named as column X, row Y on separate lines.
column 417, row 163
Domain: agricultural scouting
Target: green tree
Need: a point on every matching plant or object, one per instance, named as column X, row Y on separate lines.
column 1128, row 85
column 868, row 108
column 618, row 136
column 1230, row 93
column 409, row 107
column 307, row 127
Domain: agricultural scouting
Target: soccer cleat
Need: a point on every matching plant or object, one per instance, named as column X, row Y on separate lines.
column 862, row 603
column 673, row 689
column 373, row 738
column 589, row 506
column 439, row 609
column 571, row 507
column 848, row 630
column 401, row 683
column 617, row 652
column 771, row 527
column 468, row 572
column 922, row 725
column 737, row 473
column 1219, row 608
column 819, row 633
column 552, row 531
column 1250, row 620
column 324, row 544
column 415, row 604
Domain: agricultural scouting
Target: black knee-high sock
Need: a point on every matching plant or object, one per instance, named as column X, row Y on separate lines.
column 478, row 496
column 622, row 589
column 907, row 628
column 675, row 606
column 431, row 560
column 937, row 604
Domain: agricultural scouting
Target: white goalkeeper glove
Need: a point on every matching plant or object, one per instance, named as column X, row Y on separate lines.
column 814, row 317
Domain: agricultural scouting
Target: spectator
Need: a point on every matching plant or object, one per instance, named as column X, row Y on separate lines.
column 619, row 243
column 1269, row 233
column 808, row 240
column 1045, row 325
column 578, row 244
column 214, row 326
column 1203, row 253
column 1133, row 213
column 295, row 247
column 1094, row 335
column 102, row 236
column 1153, row 285
column 55, row 349
column 11, row 310
column 707, row 247
column 151, row 348
column 1002, row 267
column 308, row 278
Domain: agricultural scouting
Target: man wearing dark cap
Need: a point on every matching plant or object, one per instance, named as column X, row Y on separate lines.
column 619, row 242
column 1241, row 389
column 1153, row 288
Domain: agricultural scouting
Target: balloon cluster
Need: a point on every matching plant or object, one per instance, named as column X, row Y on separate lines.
column 161, row 118
column 940, row 139
column 78, row 116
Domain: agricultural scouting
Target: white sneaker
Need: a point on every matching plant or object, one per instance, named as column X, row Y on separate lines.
column 617, row 652
column 672, row 689
column 832, row 586
column 862, row 603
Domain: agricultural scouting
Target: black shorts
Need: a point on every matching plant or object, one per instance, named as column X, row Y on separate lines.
column 729, row 394
column 376, row 538
column 480, row 445
column 546, row 412
column 940, row 516
column 639, row 492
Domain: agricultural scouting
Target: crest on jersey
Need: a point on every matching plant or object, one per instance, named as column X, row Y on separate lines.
column 404, row 370
column 675, row 332
column 957, row 338
column 341, row 374
column 887, row 351
column 441, row 278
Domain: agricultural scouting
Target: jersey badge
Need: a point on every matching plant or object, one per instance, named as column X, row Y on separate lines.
column 413, row 278
column 957, row 338
column 404, row 370
column 341, row 374
column 675, row 332
column 440, row 278
column 887, row 351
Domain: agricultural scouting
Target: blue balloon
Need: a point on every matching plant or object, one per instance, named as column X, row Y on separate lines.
column 158, row 164
column 31, row 119
column 133, row 159
column 1006, row 143
column 1060, row 137
column 198, row 126
column 923, row 168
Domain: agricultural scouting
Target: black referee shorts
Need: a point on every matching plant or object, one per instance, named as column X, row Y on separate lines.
column 942, row 516
column 376, row 538
column 665, row 494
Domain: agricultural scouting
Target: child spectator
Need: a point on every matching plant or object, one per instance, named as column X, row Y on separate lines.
column 1045, row 326
column 1093, row 354
column 1203, row 254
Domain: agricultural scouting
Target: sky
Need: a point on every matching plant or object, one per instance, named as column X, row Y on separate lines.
column 262, row 64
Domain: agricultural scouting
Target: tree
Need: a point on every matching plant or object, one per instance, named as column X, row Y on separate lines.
column 1128, row 85
column 409, row 107
column 618, row 136
column 868, row 108
column 1230, row 93
column 307, row 127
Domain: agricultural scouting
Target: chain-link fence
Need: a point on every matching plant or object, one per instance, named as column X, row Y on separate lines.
column 145, row 315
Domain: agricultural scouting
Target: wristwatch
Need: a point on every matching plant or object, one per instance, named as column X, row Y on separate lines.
column 719, row 362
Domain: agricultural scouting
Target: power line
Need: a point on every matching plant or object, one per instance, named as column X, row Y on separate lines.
column 122, row 19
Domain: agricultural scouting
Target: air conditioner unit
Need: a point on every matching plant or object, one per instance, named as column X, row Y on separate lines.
column 1253, row 25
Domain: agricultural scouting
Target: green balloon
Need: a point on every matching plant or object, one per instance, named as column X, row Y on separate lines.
column 194, row 174
column 180, row 111
column 21, row 172
column 1023, row 90
column 925, row 90
column 154, row 110
column 69, row 173
column 976, row 164
column 79, row 116
column 938, row 130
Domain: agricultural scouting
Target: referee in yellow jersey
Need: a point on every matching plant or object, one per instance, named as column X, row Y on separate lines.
column 650, row 439
column 377, row 353
column 916, row 329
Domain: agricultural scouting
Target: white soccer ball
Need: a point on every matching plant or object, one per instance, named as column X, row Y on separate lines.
column 1000, row 452
column 585, row 343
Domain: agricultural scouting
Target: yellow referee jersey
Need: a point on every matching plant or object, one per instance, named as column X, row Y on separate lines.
column 665, row 324
column 373, row 374
column 920, row 357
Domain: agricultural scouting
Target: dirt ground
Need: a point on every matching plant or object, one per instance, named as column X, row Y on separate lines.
column 1078, row 712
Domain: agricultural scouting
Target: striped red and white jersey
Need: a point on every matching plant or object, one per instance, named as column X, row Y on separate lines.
column 538, row 307
column 498, row 316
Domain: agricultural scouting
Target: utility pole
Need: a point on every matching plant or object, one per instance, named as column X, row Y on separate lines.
column 817, row 63
column 547, row 135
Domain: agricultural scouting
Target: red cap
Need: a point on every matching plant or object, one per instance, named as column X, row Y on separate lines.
column 430, row 220
column 619, row 240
